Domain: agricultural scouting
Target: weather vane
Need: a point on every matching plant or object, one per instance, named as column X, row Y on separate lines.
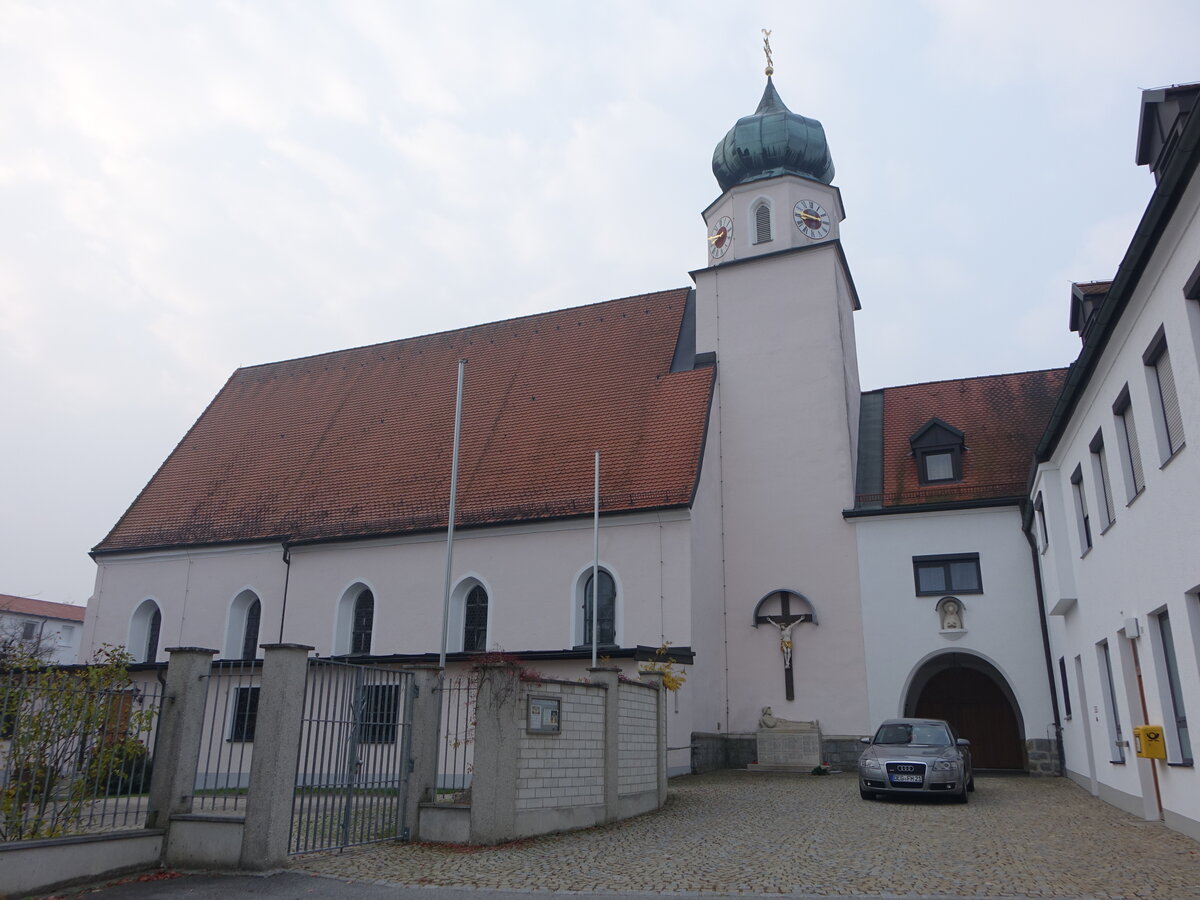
column 767, row 50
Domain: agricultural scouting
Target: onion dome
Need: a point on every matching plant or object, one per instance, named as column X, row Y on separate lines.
column 773, row 141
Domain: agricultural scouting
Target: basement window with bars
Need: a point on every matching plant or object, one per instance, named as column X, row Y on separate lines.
column 245, row 714
column 380, row 713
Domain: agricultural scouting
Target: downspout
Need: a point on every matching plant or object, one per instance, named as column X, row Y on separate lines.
column 1041, row 599
column 287, row 562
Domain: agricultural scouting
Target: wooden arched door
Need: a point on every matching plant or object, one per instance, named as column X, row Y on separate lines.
column 976, row 706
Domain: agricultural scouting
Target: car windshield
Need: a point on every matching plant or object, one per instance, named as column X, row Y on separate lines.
column 902, row 733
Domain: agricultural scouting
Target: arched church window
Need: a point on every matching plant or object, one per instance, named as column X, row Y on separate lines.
column 606, row 610
column 144, row 630
column 250, row 633
column 363, row 622
column 762, row 223
column 475, row 615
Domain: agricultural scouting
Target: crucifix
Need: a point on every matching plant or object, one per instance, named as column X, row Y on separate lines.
column 785, row 620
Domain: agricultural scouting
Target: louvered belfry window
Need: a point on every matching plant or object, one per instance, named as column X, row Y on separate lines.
column 475, row 620
column 762, row 223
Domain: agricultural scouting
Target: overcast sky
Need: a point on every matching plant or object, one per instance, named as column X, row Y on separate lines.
column 187, row 187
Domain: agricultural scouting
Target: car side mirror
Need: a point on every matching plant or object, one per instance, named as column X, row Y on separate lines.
column 963, row 742
column 864, row 740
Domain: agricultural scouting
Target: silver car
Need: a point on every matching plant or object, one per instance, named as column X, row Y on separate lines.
column 916, row 756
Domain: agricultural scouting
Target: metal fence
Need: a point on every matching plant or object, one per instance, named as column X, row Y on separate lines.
column 456, row 755
column 227, row 741
column 76, row 750
column 352, row 774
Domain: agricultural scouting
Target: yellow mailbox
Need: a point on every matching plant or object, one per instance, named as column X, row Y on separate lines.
column 1148, row 741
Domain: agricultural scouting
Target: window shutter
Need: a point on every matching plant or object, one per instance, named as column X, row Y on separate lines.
column 1131, row 446
column 1170, row 399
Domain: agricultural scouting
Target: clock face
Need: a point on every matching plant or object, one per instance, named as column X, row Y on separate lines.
column 811, row 219
column 721, row 237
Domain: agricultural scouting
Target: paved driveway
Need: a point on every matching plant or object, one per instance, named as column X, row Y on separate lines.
column 740, row 832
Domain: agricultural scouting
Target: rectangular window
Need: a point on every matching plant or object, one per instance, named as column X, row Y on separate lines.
column 1100, row 473
column 939, row 465
column 1176, row 693
column 28, row 631
column 245, row 714
column 1115, row 740
column 1168, row 420
column 1043, row 534
column 1083, row 520
column 1131, row 454
column 1066, row 691
column 380, row 713
column 957, row 574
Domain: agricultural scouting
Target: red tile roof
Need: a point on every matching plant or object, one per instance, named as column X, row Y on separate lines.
column 358, row 442
column 1001, row 416
column 46, row 609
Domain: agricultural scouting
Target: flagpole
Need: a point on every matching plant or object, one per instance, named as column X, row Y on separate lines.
column 595, row 559
column 462, row 363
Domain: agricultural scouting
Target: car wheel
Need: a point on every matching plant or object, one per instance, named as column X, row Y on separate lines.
column 866, row 795
column 971, row 784
column 962, row 797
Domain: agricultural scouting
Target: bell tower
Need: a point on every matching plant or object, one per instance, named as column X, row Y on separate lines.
column 775, row 305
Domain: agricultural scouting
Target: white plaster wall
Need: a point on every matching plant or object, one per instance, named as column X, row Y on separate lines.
column 786, row 464
column 1146, row 561
column 1001, row 624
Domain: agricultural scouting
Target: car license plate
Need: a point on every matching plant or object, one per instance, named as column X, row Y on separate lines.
column 906, row 779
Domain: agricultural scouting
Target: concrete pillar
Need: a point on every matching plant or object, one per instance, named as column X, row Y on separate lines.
column 498, row 720
column 610, row 679
column 180, row 724
column 276, row 752
column 423, row 745
column 656, row 679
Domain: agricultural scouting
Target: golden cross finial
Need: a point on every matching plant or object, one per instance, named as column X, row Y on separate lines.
column 767, row 50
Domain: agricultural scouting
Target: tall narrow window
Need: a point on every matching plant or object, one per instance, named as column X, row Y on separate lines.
column 762, row 223
column 250, row 633
column 1131, row 454
column 1176, row 692
column 1115, row 741
column 1040, row 509
column 144, row 628
column 1168, row 418
column 1083, row 520
column 1066, row 691
column 152, row 636
column 475, row 615
column 363, row 622
column 606, row 611
column 1100, row 471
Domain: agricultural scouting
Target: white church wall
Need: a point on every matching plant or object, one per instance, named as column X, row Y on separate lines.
column 785, row 450
column 1144, row 563
column 1000, row 625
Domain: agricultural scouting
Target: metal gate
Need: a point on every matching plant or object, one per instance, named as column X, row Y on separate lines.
column 352, row 775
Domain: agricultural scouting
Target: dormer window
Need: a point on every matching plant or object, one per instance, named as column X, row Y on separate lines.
column 762, row 222
column 938, row 447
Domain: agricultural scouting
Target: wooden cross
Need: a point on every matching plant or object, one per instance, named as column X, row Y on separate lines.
column 785, row 621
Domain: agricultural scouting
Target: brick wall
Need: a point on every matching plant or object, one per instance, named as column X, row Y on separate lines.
column 637, row 746
column 564, row 769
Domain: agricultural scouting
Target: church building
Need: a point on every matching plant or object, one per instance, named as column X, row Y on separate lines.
column 839, row 556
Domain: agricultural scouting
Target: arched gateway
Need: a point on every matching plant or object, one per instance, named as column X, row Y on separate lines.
column 972, row 695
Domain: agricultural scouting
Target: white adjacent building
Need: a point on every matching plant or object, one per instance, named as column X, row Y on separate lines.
column 50, row 631
column 836, row 555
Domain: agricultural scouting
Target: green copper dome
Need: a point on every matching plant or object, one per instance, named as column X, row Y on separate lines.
column 773, row 141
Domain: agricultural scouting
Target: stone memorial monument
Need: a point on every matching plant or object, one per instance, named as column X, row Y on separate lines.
column 785, row 745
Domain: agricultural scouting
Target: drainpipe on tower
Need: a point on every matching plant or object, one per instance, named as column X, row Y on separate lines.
column 1026, row 522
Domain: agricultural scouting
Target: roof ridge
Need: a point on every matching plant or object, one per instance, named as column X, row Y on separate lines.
column 892, row 387
column 466, row 328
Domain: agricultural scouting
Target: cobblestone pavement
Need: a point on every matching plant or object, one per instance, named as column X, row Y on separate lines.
column 740, row 832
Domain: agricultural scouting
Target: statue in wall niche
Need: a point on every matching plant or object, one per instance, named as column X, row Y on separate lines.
column 951, row 613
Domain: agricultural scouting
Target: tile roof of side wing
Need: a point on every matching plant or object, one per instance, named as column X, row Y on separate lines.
column 46, row 609
column 1001, row 417
column 357, row 443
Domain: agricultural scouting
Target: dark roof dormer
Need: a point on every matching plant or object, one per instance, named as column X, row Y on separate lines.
column 1165, row 112
column 1086, row 299
column 938, row 447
